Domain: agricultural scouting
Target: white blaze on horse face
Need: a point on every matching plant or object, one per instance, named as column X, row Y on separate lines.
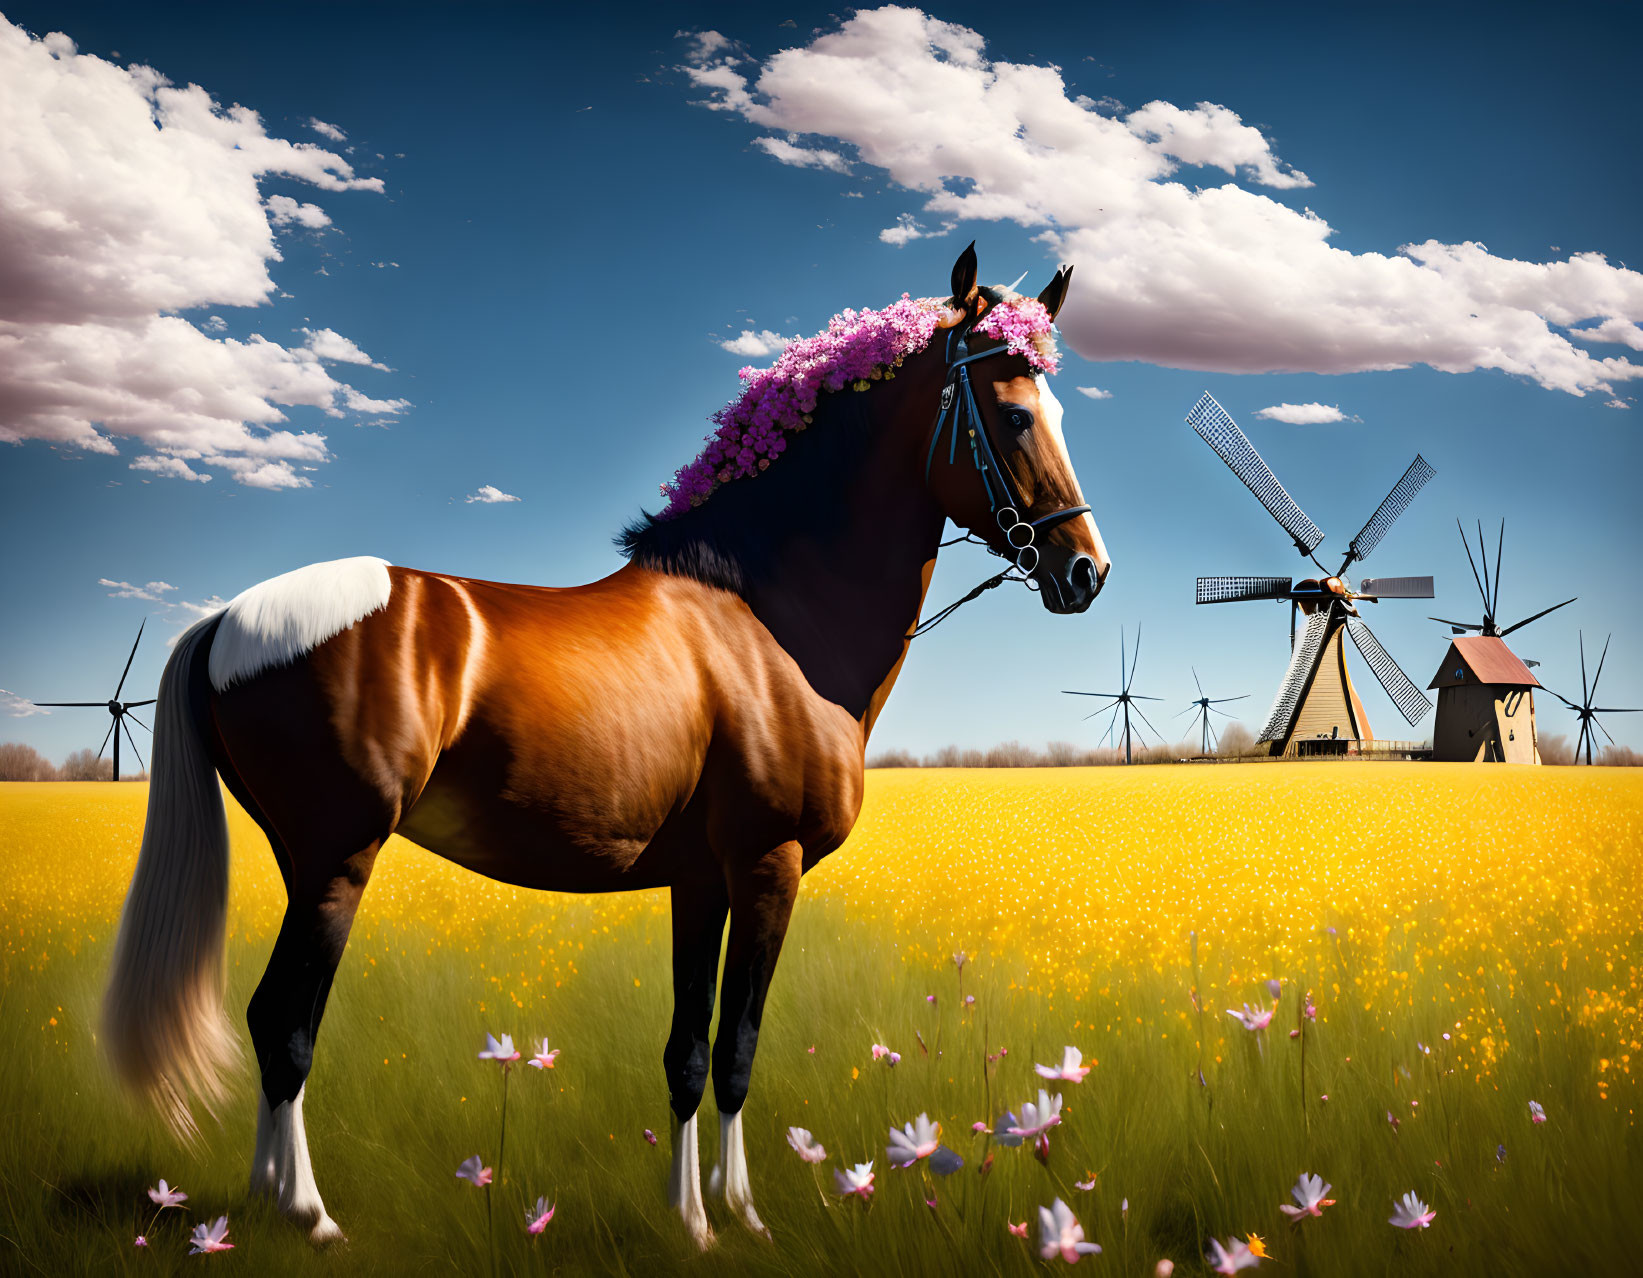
column 277, row 621
column 730, row 1176
column 1052, row 419
column 280, row 1168
column 684, row 1186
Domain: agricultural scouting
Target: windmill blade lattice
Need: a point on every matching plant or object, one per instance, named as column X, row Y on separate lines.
column 1242, row 589
column 1217, row 429
column 1396, row 502
column 1397, row 587
column 1302, row 658
column 1409, row 699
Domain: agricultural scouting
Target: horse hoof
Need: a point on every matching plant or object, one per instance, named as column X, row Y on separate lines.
column 326, row 1233
column 750, row 1218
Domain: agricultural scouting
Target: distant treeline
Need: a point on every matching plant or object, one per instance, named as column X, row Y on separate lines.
column 20, row 762
column 1236, row 742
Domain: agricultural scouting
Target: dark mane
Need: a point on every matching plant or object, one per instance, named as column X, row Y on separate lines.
column 728, row 542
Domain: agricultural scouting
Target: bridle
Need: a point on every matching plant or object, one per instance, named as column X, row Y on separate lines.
column 960, row 411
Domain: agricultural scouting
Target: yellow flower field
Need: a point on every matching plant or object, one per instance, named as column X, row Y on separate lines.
column 1470, row 935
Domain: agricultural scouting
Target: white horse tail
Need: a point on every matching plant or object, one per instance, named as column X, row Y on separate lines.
column 163, row 1018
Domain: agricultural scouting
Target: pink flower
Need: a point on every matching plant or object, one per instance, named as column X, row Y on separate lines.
column 212, row 1237
column 141, row 1241
column 917, row 1139
column 1060, row 1234
column 472, row 1171
column 543, row 1059
column 536, row 1220
column 650, row 1136
column 1086, row 1185
column 1253, row 1020
column 1071, row 1070
column 1536, row 1115
column 501, row 1052
column 165, row 1196
column 930, row 998
column 855, row 1181
column 883, row 1053
column 1411, row 1213
column 1020, row 1231
column 1232, row 1257
column 1037, row 1119
column 805, row 1146
column 1309, row 1192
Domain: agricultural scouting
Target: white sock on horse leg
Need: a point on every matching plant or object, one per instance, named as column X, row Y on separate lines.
column 684, row 1189
column 730, row 1176
column 281, row 1158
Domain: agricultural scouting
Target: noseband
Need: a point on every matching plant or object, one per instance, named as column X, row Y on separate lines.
column 959, row 408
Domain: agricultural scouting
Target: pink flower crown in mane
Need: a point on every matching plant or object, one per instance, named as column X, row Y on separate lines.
column 857, row 349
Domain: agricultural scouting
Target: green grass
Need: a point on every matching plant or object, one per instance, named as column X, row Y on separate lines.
column 1192, row 1161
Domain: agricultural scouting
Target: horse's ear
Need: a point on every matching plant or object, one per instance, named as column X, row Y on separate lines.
column 964, row 276
column 1055, row 292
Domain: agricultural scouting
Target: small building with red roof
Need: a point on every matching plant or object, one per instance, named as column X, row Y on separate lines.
column 1486, row 704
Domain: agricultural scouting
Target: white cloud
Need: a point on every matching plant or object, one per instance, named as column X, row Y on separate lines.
column 1304, row 414
column 908, row 228
column 128, row 201
column 192, row 612
column 169, row 467
column 327, row 130
column 19, row 707
column 283, row 210
column 1095, row 392
column 329, row 344
column 756, row 345
column 1218, row 278
column 801, row 157
column 489, row 493
column 1616, row 402
column 361, row 403
column 705, row 44
column 154, row 590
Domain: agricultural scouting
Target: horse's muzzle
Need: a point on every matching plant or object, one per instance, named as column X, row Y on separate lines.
column 1070, row 586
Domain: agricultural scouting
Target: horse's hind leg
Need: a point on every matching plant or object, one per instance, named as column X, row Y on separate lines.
column 284, row 1017
column 761, row 902
column 698, row 932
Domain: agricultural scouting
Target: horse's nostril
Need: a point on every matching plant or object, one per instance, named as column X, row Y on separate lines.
column 1084, row 576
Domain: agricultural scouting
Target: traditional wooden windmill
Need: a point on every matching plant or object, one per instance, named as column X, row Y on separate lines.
column 1317, row 711
column 1486, row 695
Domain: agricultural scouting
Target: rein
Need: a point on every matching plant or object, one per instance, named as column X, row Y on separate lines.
column 960, row 410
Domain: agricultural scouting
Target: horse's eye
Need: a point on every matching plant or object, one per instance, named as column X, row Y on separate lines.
column 1018, row 419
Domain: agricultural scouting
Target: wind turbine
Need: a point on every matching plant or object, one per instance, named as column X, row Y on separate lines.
column 120, row 710
column 1588, row 713
column 1203, row 707
column 1122, row 700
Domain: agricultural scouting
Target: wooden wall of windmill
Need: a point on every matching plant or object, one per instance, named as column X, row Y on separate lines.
column 1486, row 698
column 1486, row 704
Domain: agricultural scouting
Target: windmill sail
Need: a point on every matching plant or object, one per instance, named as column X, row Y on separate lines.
column 1396, row 587
column 1217, row 429
column 1242, row 589
column 1397, row 501
column 1409, row 699
column 1302, row 661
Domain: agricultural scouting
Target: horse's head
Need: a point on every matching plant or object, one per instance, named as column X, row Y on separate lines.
column 996, row 460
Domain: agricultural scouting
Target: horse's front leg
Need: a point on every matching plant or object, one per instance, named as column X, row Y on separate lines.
column 699, row 911
column 761, row 902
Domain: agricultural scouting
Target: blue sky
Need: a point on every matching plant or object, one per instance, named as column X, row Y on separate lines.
column 564, row 234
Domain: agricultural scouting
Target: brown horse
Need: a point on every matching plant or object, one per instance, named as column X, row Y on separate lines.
column 696, row 720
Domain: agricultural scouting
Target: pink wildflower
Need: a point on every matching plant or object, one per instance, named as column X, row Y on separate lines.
column 543, row 1059
column 1020, row 1231
column 473, row 1172
column 1536, row 1115
column 536, row 1220
column 805, row 1146
column 1071, row 1070
column 1060, row 1234
column 650, row 1137
column 501, row 1051
column 1411, row 1213
column 1309, row 1192
column 212, row 1237
column 917, row 1139
column 855, row 1182
column 1231, row 1257
column 164, row 1196
column 141, row 1241
column 1252, row 1019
